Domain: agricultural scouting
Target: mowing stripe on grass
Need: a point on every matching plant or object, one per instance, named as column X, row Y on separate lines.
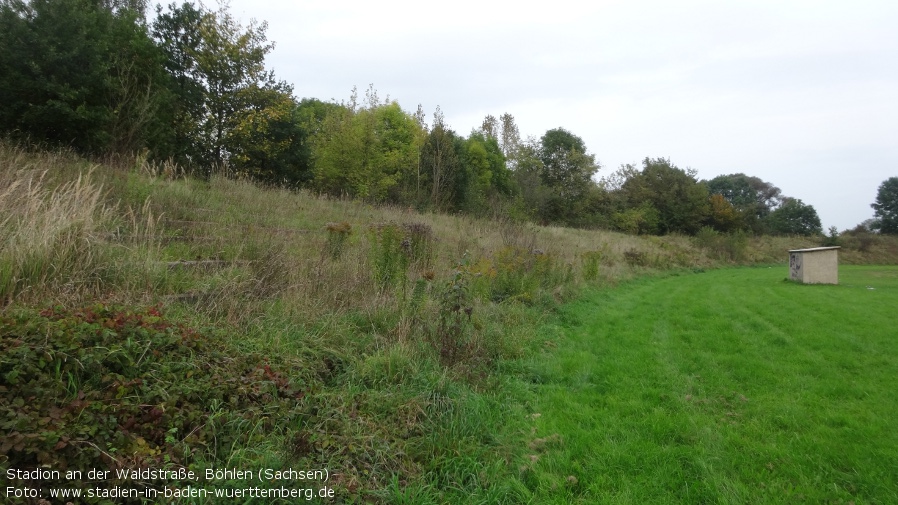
column 730, row 386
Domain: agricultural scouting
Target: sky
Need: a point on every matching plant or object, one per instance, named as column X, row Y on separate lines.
column 803, row 95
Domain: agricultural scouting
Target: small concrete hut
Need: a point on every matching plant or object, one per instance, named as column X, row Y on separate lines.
column 818, row 265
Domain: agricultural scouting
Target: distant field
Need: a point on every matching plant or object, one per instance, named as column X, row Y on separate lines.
column 730, row 386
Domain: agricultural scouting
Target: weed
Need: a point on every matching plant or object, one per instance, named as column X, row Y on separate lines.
column 389, row 255
column 338, row 330
column 453, row 333
column 418, row 244
column 590, row 260
column 337, row 234
column 635, row 257
column 134, row 383
column 51, row 236
column 512, row 273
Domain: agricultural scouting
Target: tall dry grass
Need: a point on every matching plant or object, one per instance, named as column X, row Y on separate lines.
column 49, row 233
column 58, row 228
column 75, row 230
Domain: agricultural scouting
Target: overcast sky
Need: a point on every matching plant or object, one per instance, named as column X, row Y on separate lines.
column 801, row 94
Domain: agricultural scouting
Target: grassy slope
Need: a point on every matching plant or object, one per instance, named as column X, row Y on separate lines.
column 730, row 386
column 379, row 407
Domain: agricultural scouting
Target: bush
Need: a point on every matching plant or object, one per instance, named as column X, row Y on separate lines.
column 636, row 258
column 722, row 246
column 394, row 248
column 832, row 239
column 454, row 332
column 513, row 273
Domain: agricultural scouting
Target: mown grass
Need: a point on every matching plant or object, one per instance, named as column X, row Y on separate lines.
column 731, row 386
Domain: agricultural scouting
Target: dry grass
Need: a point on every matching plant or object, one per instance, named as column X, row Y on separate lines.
column 49, row 234
column 65, row 235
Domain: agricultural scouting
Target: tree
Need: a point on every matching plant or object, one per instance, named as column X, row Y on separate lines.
column 886, row 206
column 264, row 135
column 490, row 127
column 367, row 151
column 177, row 32
column 794, row 217
column 559, row 139
column 80, row 73
column 229, row 60
column 482, row 174
column 527, row 172
column 310, row 116
column 722, row 215
column 398, row 135
column 751, row 197
column 439, row 162
column 567, row 172
column 509, row 137
column 680, row 200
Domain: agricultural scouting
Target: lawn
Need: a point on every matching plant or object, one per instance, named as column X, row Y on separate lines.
column 728, row 386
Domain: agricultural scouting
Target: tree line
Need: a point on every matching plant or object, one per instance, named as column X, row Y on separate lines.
column 191, row 86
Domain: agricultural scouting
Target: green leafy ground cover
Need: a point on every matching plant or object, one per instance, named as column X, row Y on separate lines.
column 729, row 386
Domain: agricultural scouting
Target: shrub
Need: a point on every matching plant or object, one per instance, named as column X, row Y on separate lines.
column 513, row 273
column 832, row 239
column 394, row 248
column 417, row 244
column 454, row 332
column 722, row 246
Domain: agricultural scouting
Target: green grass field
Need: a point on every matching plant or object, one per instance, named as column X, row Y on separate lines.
column 729, row 386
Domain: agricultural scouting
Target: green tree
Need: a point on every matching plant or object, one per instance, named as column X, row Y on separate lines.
column 509, row 137
column 527, row 173
column 439, row 163
column 641, row 220
column 398, row 137
column 177, row 33
column 311, row 116
column 367, row 151
column 81, row 73
column 482, row 176
column 567, row 171
column 722, row 215
column 264, row 135
column 886, row 206
column 680, row 200
column 336, row 148
column 230, row 59
column 794, row 217
column 490, row 127
column 751, row 197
